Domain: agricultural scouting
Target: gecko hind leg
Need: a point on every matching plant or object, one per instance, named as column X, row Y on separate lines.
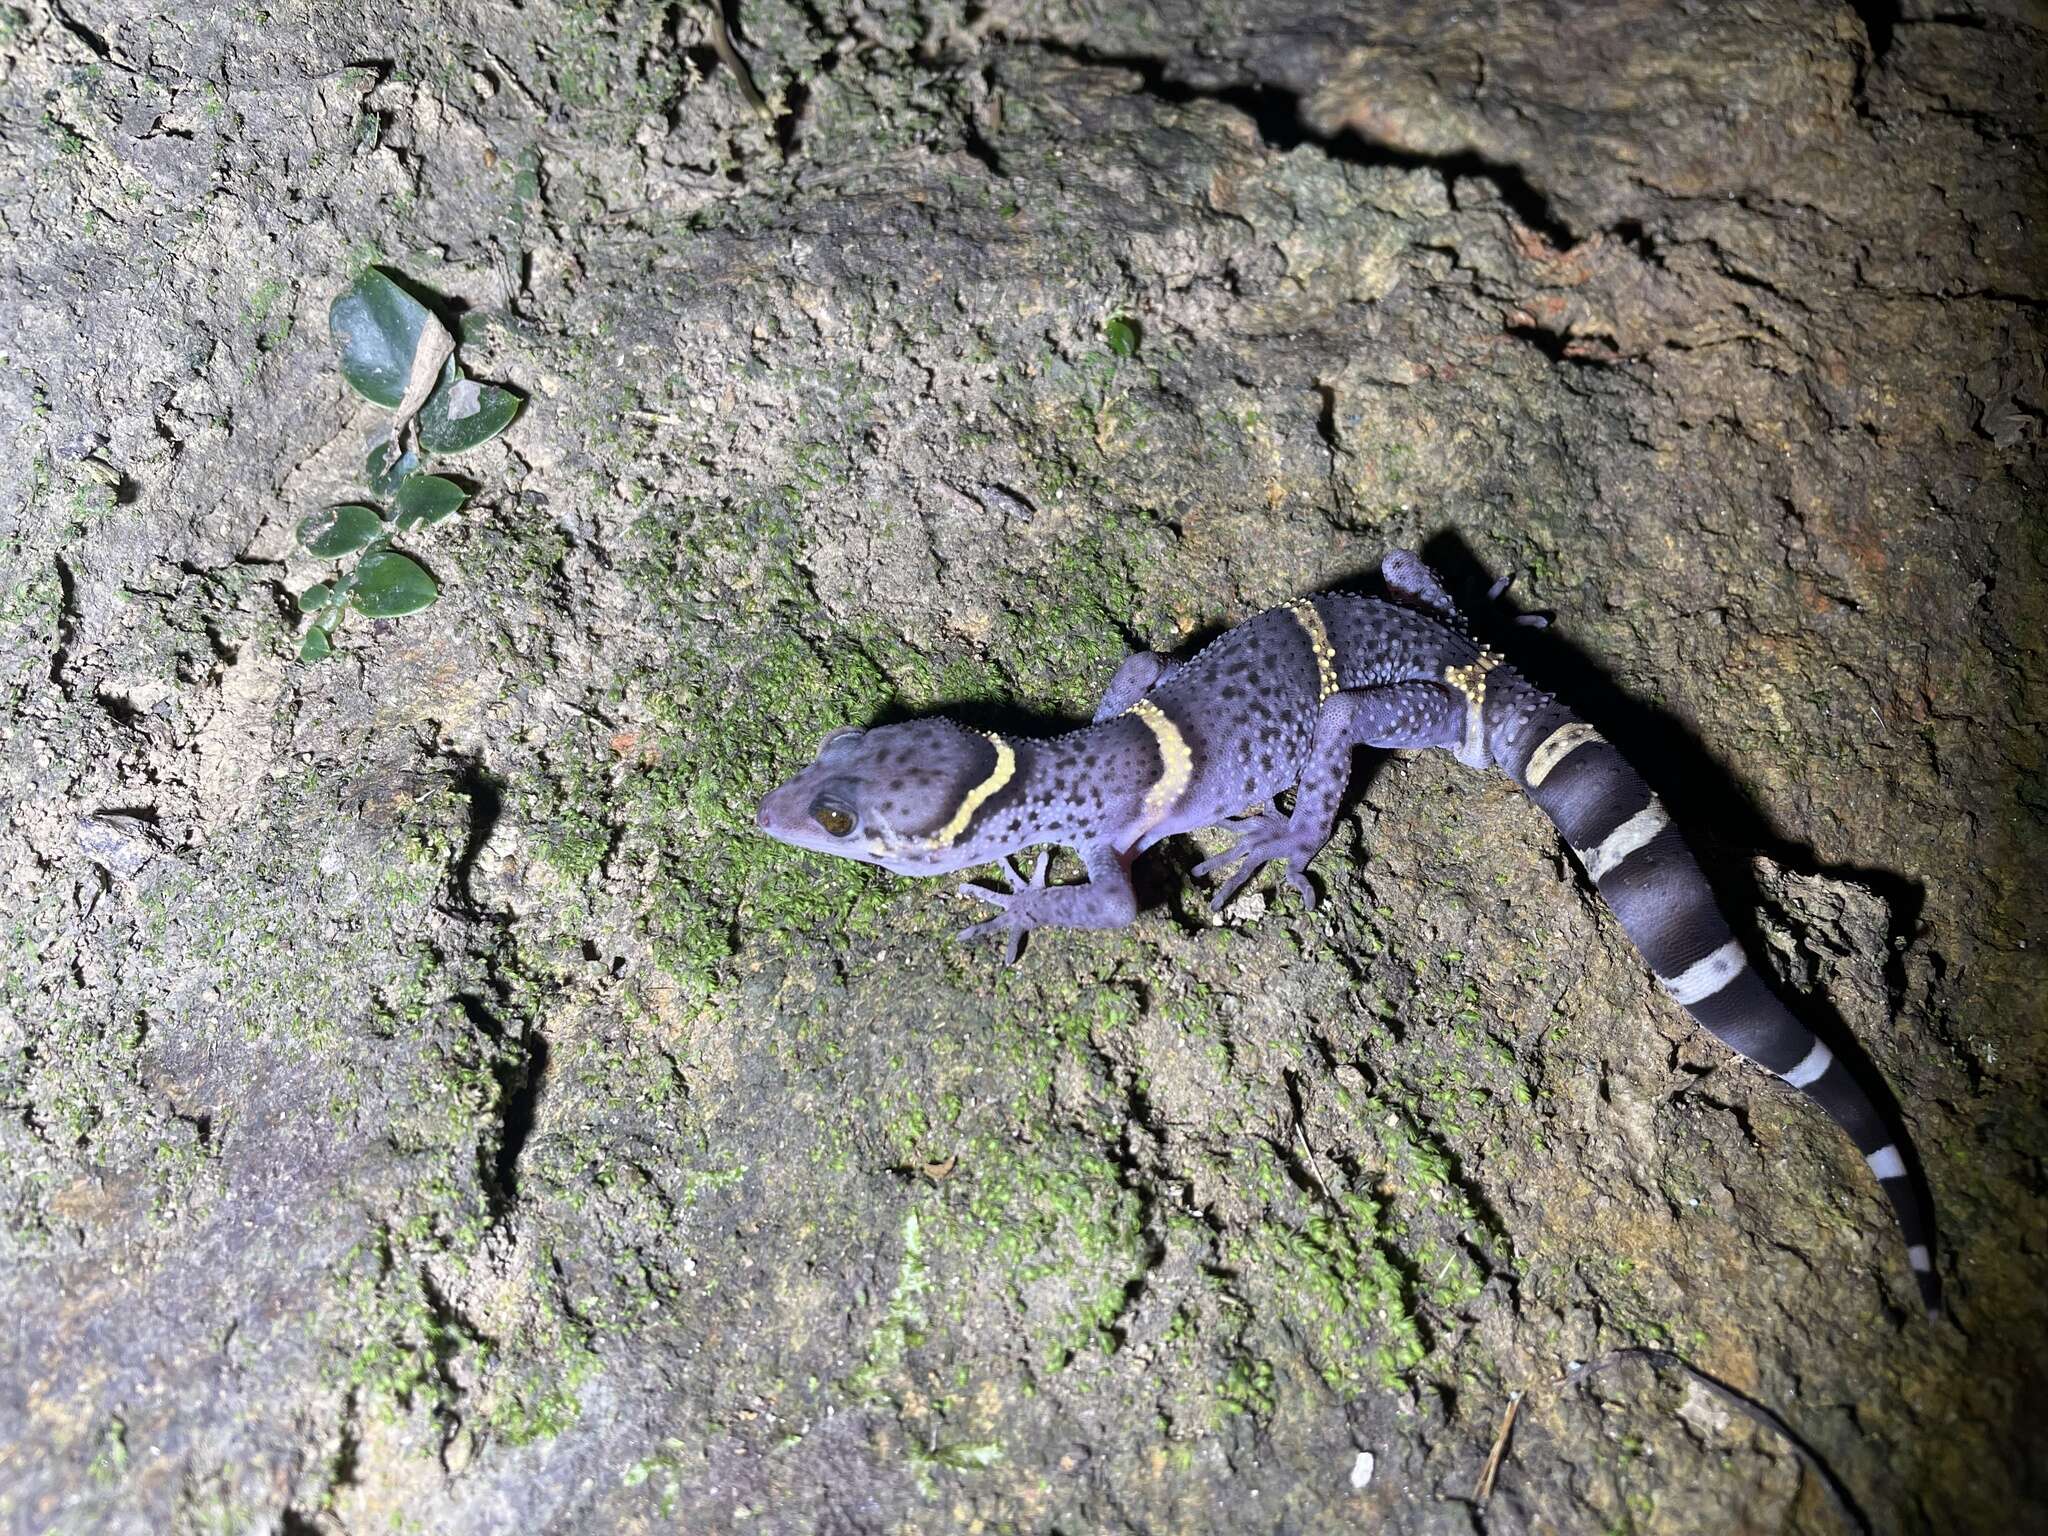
column 1395, row 715
column 1413, row 584
column 1141, row 672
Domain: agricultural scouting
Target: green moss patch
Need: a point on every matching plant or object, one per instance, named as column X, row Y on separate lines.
column 1326, row 1274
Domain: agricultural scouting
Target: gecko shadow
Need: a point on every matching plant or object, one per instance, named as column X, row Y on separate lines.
column 1718, row 816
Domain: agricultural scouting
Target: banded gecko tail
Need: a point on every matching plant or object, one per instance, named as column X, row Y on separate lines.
column 1621, row 836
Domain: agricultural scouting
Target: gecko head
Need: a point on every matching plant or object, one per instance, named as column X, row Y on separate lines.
column 900, row 796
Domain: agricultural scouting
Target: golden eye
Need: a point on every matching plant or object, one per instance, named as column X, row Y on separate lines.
column 833, row 819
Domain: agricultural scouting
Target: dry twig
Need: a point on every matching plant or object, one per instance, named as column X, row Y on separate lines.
column 729, row 56
column 1500, row 1447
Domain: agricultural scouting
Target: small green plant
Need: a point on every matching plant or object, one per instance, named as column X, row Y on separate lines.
column 394, row 351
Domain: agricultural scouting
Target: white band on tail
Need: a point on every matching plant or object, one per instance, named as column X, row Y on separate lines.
column 1810, row 1067
column 1624, row 840
column 1556, row 747
column 1703, row 978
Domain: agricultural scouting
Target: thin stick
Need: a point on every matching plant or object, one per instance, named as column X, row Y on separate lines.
column 1314, row 1169
column 1500, row 1448
column 729, row 56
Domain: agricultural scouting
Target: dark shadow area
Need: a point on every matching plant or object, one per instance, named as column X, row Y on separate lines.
column 448, row 310
column 976, row 143
column 485, row 794
column 1719, row 818
column 521, row 1071
column 520, row 1086
column 1276, row 112
column 67, row 619
column 94, row 41
column 520, row 1078
column 796, row 98
column 1880, row 20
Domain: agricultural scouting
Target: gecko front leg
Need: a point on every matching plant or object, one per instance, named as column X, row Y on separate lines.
column 1105, row 900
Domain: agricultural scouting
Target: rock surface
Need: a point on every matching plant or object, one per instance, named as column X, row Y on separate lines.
column 424, row 1105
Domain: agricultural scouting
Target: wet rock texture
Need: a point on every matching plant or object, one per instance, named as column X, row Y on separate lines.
column 424, row 1105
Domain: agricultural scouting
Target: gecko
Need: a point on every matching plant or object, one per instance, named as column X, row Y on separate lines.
column 1279, row 703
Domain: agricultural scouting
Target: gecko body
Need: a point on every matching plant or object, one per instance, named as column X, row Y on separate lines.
column 1279, row 703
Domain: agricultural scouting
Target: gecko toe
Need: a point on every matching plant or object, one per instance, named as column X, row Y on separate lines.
column 989, row 928
column 1265, row 837
column 1231, row 887
column 1008, row 926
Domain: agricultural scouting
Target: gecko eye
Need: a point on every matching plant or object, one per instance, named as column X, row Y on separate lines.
column 835, row 819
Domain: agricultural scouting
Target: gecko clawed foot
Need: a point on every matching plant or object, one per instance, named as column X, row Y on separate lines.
column 1015, row 918
column 1530, row 620
column 1263, row 836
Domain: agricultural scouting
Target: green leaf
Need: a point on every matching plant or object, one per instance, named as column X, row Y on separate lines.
column 383, row 471
column 340, row 530
column 461, row 413
column 330, row 617
column 388, row 585
column 424, row 500
column 316, row 646
column 315, row 597
column 390, row 343
column 1122, row 336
